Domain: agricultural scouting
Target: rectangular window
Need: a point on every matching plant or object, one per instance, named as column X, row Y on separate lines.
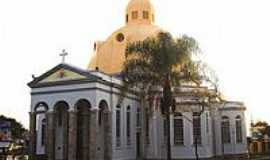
column 118, row 128
column 178, row 130
column 145, row 15
column 134, row 14
column 239, row 137
column 128, row 127
column 197, row 128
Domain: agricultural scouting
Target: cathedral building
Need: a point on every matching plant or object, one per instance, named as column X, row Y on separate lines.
column 76, row 115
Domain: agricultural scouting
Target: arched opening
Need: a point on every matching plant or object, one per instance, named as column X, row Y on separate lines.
column 238, row 128
column 225, row 130
column 83, row 129
column 39, row 128
column 41, row 107
column 104, row 130
column 61, row 130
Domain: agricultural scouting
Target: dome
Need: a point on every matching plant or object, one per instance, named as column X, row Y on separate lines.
column 109, row 55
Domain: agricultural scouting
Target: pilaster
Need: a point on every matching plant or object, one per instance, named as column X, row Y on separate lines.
column 93, row 134
column 85, row 134
column 32, row 147
column 108, row 135
column 72, row 142
column 65, row 134
column 50, row 117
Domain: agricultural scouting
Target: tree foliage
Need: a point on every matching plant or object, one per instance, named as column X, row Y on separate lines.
column 150, row 62
column 261, row 124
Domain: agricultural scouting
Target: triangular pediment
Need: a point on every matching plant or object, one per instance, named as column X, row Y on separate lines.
column 63, row 73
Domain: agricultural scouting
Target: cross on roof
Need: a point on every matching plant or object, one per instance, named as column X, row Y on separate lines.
column 63, row 55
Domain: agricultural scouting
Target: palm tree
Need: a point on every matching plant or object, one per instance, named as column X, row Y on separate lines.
column 161, row 61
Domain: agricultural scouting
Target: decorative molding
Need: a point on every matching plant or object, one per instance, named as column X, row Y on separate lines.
column 82, row 89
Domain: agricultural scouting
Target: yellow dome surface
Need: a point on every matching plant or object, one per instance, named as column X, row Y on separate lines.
column 109, row 55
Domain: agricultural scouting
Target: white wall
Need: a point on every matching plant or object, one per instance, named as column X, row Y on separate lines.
column 157, row 147
column 233, row 147
column 157, row 138
column 125, row 151
column 52, row 95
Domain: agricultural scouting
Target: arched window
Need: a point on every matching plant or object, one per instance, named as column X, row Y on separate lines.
column 128, row 125
column 225, row 130
column 43, row 132
column 238, row 125
column 178, row 129
column 103, row 106
column 197, row 128
column 118, row 126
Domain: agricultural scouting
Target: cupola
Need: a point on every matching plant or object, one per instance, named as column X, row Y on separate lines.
column 140, row 12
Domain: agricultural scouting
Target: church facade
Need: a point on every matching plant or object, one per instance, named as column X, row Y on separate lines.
column 76, row 113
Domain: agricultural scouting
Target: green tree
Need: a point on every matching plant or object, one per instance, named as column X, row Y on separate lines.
column 162, row 61
column 149, row 62
column 262, row 127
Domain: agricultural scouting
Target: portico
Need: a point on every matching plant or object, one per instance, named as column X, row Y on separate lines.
column 67, row 119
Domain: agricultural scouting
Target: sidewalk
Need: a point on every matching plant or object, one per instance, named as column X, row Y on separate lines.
column 266, row 157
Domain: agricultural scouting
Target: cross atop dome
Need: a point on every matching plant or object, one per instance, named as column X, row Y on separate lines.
column 140, row 12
